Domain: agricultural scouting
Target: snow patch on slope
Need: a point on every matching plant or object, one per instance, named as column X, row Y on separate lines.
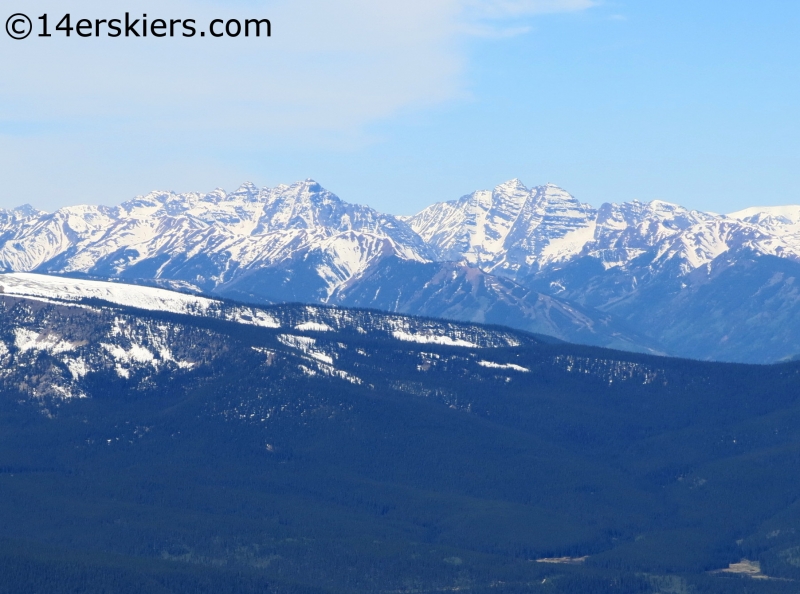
column 28, row 340
column 70, row 289
column 55, row 289
column 313, row 327
column 493, row 365
column 443, row 340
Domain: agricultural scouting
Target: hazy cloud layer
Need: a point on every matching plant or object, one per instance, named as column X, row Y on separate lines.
column 329, row 65
column 329, row 69
column 517, row 8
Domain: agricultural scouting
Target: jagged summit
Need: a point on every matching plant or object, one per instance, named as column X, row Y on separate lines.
column 26, row 210
column 207, row 239
column 509, row 228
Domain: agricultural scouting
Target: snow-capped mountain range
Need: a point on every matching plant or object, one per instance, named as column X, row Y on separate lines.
column 517, row 232
column 645, row 276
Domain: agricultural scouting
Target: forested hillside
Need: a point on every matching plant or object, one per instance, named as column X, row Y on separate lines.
column 336, row 450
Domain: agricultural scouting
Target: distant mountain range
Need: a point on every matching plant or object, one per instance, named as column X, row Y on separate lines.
column 653, row 277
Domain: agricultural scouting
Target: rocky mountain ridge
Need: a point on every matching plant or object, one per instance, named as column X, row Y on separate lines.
column 512, row 255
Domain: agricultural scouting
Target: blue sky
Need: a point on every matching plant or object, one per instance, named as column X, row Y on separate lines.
column 401, row 105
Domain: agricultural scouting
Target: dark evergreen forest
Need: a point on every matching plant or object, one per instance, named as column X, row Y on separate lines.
column 435, row 472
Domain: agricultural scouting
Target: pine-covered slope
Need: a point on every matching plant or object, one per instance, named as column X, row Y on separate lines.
column 159, row 442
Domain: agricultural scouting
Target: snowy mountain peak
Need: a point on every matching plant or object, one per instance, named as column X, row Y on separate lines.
column 209, row 240
column 247, row 192
column 625, row 231
column 781, row 221
column 518, row 232
column 473, row 227
column 789, row 213
column 553, row 200
column 26, row 210
column 509, row 228
column 511, row 186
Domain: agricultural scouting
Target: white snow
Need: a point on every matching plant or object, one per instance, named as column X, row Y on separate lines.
column 135, row 354
column 561, row 248
column 323, row 362
column 513, row 366
column 313, row 327
column 508, row 229
column 27, row 340
column 511, row 230
column 77, row 367
column 332, row 372
column 432, row 339
column 253, row 317
column 305, row 344
column 70, row 289
column 66, row 393
column 231, row 233
column 790, row 213
column 54, row 289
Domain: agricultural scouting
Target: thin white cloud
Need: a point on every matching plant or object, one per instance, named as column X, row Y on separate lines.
column 492, row 31
column 521, row 8
column 330, row 65
column 331, row 68
column 483, row 18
